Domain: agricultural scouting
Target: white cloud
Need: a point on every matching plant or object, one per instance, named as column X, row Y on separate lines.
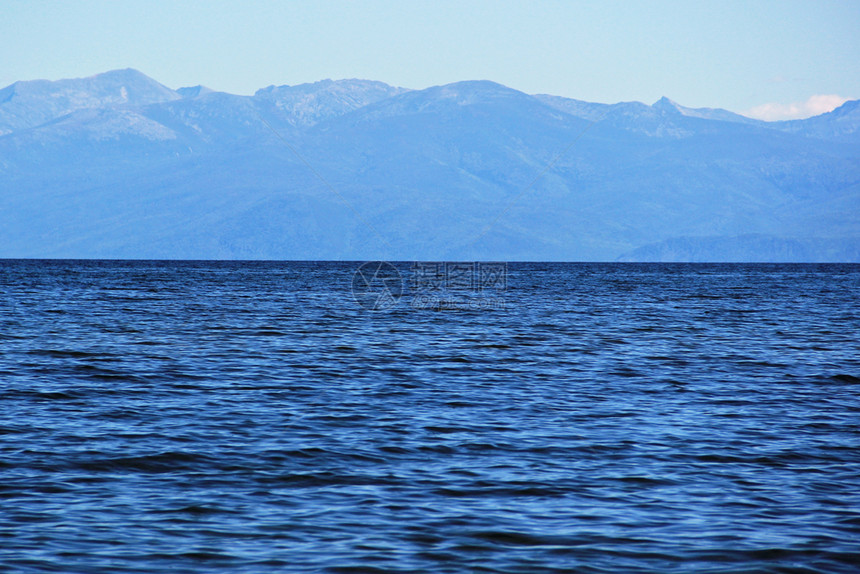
column 818, row 104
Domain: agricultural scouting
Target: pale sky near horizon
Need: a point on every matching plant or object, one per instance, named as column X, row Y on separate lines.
column 785, row 58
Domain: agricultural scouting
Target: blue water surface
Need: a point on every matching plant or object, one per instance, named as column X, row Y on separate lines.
column 255, row 417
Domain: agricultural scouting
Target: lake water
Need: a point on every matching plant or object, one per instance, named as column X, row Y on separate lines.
column 260, row 417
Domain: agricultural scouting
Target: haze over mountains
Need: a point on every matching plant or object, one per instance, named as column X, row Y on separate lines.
column 120, row 166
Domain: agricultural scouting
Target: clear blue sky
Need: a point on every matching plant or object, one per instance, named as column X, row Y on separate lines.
column 730, row 54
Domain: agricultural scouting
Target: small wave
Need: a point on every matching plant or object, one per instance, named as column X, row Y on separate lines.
column 42, row 395
column 165, row 462
column 514, row 538
column 64, row 353
column 195, row 509
column 503, row 492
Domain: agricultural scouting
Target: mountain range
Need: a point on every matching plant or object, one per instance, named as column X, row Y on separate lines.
column 119, row 166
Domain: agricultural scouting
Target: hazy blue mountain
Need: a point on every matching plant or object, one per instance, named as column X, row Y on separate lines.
column 355, row 169
column 842, row 124
column 29, row 104
column 667, row 105
column 308, row 104
column 596, row 112
column 752, row 248
column 577, row 108
column 194, row 91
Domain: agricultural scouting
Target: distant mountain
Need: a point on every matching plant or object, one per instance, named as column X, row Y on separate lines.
column 577, row 108
column 119, row 166
column 193, row 91
column 842, row 124
column 29, row 104
column 752, row 248
column 308, row 104
column 666, row 105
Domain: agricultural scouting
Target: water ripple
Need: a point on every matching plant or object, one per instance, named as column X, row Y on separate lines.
column 250, row 417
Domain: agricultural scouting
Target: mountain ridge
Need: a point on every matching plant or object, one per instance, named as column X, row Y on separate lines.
column 357, row 169
column 32, row 103
column 133, row 77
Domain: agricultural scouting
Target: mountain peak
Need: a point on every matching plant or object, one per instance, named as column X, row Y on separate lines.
column 326, row 85
column 666, row 105
column 309, row 104
column 483, row 85
column 122, row 74
column 32, row 103
column 140, row 88
column 194, row 91
column 470, row 92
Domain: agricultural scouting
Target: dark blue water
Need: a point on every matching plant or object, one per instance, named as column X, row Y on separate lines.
column 252, row 417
